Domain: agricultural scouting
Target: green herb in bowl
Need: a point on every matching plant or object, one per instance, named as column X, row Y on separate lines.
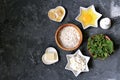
column 100, row 46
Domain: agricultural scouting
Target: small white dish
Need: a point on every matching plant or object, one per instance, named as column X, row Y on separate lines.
column 93, row 12
column 50, row 56
column 105, row 23
column 78, row 67
column 57, row 14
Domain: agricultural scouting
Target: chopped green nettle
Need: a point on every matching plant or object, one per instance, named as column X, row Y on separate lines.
column 99, row 46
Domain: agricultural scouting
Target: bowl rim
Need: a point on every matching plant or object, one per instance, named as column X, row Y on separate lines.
column 57, row 36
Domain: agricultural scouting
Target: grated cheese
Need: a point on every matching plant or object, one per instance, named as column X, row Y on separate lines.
column 77, row 63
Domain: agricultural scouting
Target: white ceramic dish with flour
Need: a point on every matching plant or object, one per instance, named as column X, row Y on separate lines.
column 77, row 63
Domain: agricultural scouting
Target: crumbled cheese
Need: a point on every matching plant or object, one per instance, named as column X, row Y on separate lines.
column 77, row 63
column 69, row 37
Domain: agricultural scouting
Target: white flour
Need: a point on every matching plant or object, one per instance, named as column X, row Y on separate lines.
column 69, row 37
column 115, row 10
column 77, row 63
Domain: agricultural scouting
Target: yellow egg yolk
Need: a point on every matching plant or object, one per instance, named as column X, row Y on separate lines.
column 88, row 17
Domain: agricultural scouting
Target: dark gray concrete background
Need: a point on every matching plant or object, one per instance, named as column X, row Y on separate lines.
column 26, row 31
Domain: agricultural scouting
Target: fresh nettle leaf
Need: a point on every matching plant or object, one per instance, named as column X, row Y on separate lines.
column 99, row 46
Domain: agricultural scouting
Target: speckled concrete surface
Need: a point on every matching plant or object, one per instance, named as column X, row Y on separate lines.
column 26, row 31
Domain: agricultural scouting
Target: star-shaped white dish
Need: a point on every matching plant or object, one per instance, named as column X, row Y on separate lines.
column 81, row 56
column 88, row 17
